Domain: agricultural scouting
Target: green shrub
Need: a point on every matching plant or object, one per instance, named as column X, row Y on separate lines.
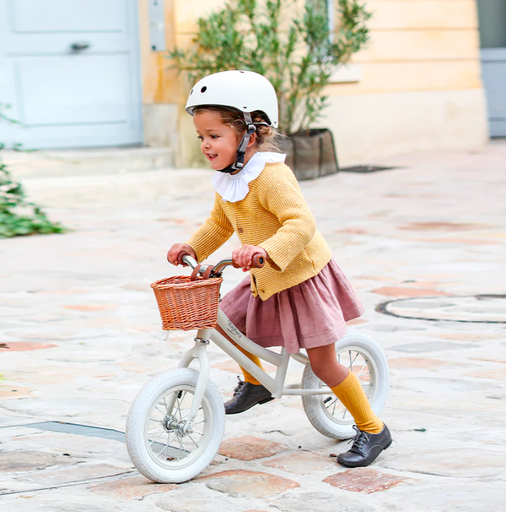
column 18, row 216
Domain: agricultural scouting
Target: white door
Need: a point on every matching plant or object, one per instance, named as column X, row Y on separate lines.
column 70, row 70
column 492, row 16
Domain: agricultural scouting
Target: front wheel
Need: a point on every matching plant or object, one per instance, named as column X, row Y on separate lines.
column 162, row 446
column 363, row 356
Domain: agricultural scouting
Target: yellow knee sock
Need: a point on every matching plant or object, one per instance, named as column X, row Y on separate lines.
column 247, row 376
column 353, row 397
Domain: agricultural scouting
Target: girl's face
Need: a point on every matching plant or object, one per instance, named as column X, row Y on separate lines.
column 218, row 141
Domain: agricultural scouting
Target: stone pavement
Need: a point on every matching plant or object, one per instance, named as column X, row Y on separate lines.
column 426, row 240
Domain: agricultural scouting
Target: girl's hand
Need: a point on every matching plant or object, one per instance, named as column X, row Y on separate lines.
column 242, row 257
column 176, row 250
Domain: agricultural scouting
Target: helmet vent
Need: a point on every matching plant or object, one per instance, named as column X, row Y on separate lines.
column 204, row 89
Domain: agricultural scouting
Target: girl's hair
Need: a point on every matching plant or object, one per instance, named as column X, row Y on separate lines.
column 266, row 136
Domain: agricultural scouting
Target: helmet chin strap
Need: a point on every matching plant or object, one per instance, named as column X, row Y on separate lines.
column 241, row 150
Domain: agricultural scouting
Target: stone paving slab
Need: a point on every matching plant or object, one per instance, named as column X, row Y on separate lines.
column 364, row 480
column 80, row 335
column 250, row 448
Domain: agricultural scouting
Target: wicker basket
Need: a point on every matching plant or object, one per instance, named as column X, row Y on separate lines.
column 185, row 304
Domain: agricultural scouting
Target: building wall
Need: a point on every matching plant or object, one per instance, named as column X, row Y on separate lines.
column 420, row 86
column 160, row 84
column 416, row 86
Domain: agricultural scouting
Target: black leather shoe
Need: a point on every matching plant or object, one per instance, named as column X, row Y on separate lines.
column 366, row 447
column 246, row 395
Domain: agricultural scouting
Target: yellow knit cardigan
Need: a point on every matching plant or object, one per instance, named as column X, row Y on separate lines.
column 274, row 216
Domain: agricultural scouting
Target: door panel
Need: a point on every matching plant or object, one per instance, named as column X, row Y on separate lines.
column 492, row 16
column 494, row 78
column 75, row 93
column 67, row 97
column 45, row 16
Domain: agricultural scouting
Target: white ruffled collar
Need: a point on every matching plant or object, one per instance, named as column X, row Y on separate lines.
column 235, row 187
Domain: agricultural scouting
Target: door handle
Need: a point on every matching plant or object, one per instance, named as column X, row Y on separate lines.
column 79, row 46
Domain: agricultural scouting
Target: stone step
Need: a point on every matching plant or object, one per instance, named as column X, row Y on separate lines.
column 121, row 189
column 97, row 177
column 86, row 162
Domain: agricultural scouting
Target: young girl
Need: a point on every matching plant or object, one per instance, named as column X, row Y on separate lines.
column 300, row 299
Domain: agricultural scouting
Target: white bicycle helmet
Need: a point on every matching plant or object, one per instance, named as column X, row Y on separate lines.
column 244, row 91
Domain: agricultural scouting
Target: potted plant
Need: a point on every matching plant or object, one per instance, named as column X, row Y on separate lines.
column 296, row 49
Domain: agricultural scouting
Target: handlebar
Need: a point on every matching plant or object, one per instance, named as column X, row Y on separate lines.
column 184, row 258
column 257, row 261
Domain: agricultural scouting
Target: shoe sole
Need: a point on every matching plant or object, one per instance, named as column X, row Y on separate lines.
column 264, row 401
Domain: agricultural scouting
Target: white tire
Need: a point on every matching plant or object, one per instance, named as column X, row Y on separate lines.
column 158, row 445
column 364, row 357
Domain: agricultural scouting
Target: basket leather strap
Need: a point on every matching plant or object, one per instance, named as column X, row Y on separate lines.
column 195, row 273
column 205, row 275
column 208, row 270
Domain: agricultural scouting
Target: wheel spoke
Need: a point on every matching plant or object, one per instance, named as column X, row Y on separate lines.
column 183, row 418
column 178, row 411
column 331, row 403
column 179, row 400
column 181, row 449
column 192, row 440
column 167, row 412
column 186, row 416
column 164, row 447
column 161, row 412
column 161, row 433
column 334, row 409
column 360, row 371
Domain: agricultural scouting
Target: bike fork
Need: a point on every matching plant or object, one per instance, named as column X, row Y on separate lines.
column 198, row 351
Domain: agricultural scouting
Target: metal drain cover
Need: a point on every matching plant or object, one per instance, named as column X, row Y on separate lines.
column 365, row 169
column 472, row 308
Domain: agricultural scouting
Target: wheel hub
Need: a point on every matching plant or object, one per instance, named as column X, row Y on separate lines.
column 178, row 427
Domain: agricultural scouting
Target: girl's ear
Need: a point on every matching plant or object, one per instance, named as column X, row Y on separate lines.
column 252, row 139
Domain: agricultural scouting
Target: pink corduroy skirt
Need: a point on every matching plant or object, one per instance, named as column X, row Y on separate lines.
column 311, row 314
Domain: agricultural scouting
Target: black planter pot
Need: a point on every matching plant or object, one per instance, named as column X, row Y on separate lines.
column 311, row 153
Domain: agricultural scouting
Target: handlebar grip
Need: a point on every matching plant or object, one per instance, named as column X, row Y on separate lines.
column 182, row 255
column 257, row 261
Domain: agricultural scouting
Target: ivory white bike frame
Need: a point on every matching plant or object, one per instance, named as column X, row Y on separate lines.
column 276, row 386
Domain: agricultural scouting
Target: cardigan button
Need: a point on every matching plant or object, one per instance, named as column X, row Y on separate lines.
column 240, row 230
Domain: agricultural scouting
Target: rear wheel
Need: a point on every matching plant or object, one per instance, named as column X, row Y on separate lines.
column 363, row 356
column 160, row 443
